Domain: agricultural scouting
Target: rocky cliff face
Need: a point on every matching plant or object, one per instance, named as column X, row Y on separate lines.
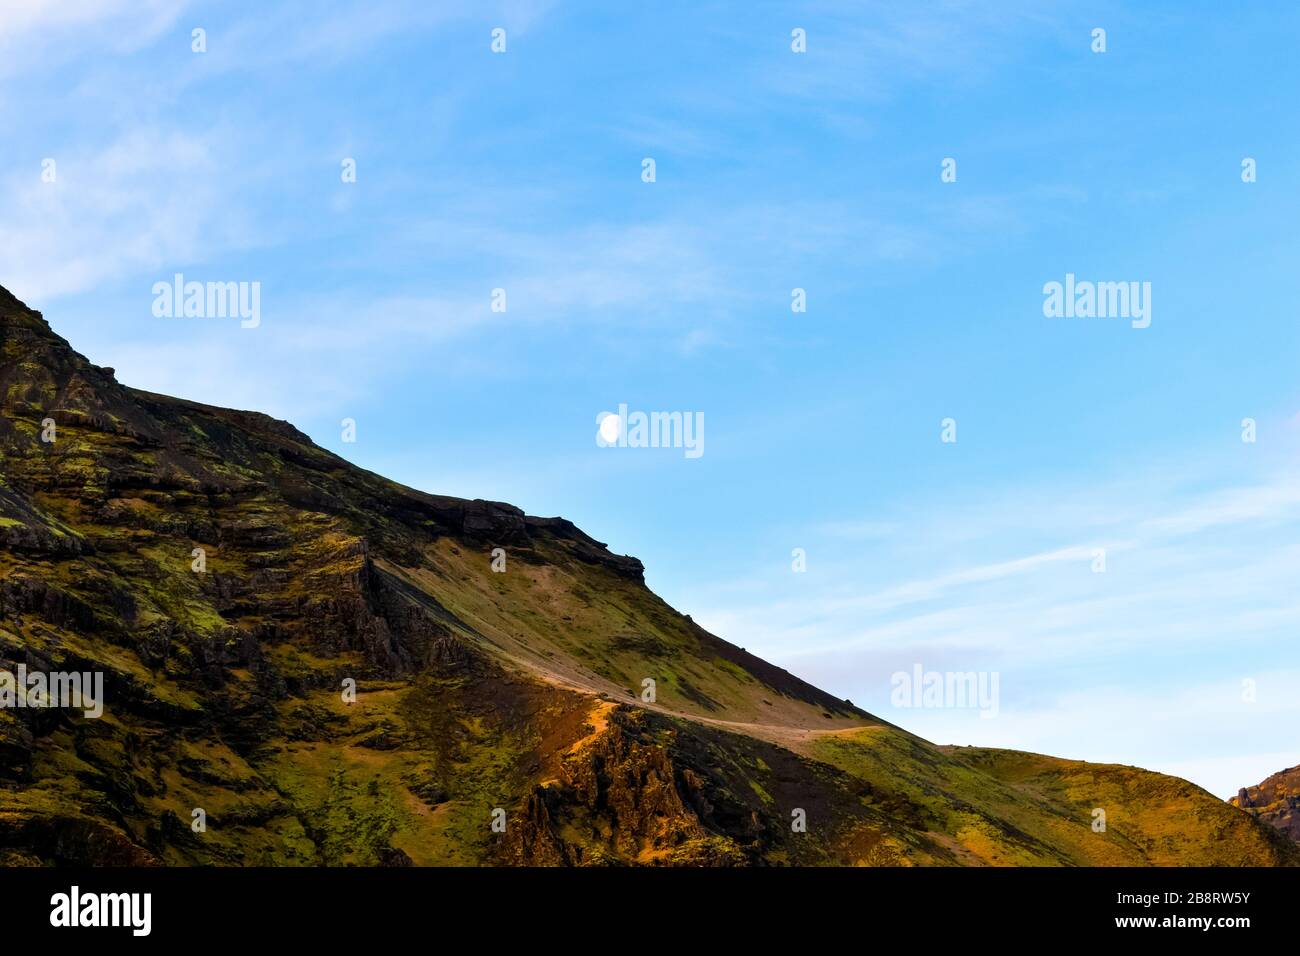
column 304, row 663
column 1276, row 801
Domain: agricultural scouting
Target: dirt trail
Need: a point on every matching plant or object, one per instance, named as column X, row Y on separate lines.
column 798, row 739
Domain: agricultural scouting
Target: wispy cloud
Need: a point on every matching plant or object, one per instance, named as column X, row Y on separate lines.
column 142, row 202
column 56, row 30
column 1196, row 583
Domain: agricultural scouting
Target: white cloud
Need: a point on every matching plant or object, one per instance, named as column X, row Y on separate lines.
column 1275, row 501
column 1105, row 667
column 856, row 54
column 145, row 202
column 56, row 30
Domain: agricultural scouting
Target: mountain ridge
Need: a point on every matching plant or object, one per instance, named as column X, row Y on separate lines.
column 230, row 578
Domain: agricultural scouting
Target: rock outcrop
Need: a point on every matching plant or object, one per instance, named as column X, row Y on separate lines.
column 1275, row 801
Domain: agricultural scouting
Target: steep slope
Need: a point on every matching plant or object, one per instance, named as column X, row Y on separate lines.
column 233, row 583
column 1275, row 801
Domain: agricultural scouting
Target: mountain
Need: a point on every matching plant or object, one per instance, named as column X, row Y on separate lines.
column 1276, row 801
column 230, row 582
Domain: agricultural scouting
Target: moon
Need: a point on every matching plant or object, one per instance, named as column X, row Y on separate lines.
column 610, row 426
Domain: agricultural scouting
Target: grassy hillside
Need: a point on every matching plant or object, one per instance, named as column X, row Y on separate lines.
column 233, row 582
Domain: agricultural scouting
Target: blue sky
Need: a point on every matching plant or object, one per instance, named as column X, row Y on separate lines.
column 774, row 170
